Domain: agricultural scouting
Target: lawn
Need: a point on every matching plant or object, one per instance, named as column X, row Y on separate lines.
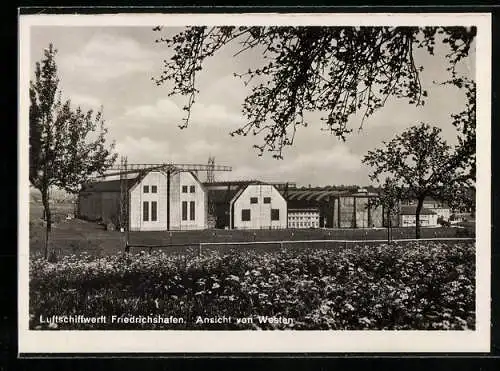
column 77, row 236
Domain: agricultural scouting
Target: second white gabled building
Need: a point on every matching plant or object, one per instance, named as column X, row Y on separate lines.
column 258, row 206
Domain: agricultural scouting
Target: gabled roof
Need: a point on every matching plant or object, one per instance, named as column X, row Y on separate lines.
column 232, row 183
column 244, row 188
column 225, row 191
column 115, row 185
column 412, row 210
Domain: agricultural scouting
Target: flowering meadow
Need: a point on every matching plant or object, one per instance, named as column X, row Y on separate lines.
column 417, row 286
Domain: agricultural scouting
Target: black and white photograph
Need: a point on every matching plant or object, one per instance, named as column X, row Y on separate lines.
column 254, row 182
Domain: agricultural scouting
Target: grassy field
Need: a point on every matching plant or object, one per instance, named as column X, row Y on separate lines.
column 76, row 236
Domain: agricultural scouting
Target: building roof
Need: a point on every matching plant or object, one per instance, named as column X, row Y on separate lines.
column 225, row 191
column 301, row 210
column 321, row 195
column 241, row 190
column 219, row 196
column 107, row 185
column 412, row 210
column 115, row 185
column 231, row 183
column 302, row 204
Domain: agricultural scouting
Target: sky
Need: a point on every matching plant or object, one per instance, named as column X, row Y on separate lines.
column 113, row 67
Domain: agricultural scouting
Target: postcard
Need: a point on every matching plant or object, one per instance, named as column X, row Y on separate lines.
column 254, row 183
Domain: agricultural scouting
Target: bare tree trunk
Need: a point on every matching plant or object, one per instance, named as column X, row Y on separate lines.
column 417, row 217
column 388, row 226
column 48, row 220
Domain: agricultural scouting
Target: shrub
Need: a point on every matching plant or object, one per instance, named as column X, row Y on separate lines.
column 420, row 285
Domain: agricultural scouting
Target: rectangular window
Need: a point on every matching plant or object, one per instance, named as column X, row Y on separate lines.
column 245, row 215
column 154, row 212
column 184, row 189
column 253, row 200
column 191, row 189
column 154, row 189
column 191, row 210
column 275, row 214
column 145, row 189
column 267, row 200
column 145, row 211
column 184, row 210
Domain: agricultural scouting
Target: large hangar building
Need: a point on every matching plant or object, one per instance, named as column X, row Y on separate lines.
column 156, row 202
column 335, row 209
column 160, row 200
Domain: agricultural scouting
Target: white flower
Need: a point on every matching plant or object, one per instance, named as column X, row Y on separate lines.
column 349, row 307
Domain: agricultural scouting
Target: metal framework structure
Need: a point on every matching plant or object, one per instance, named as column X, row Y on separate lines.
column 138, row 168
column 210, row 171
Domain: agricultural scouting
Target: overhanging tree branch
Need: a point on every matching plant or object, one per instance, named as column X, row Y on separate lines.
column 336, row 70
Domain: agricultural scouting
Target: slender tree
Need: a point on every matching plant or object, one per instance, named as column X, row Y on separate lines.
column 421, row 164
column 67, row 145
column 338, row 71
column 389, row 200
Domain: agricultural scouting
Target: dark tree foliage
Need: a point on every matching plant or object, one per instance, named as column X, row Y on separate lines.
column 465, row 122
column 421, row 164
column 62, row 152
column 338, row 71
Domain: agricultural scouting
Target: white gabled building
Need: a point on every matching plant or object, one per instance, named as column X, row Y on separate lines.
column 258, row 206
column 188, row 202
column 184, row 209
column 156, row 203
column 148, row 203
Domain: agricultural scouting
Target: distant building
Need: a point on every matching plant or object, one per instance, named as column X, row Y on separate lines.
column 354, row 210
column 303, row 218
column 428, row 218
column 322, row 200
column 339, row 208
column 438, row 207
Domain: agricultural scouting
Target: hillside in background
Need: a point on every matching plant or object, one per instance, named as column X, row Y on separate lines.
column 56, row 195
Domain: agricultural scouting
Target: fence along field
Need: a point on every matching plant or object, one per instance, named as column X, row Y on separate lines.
column 77, row 236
